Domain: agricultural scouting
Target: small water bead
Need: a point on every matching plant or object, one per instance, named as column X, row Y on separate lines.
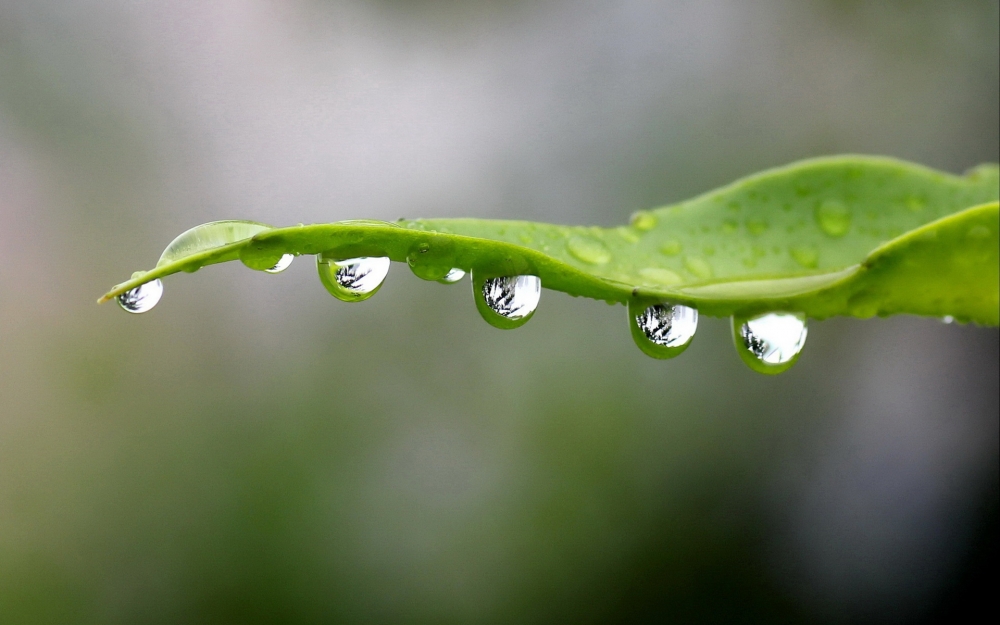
column 453, row 276
column 657, row 276
column 142, row 298
column 507, row 302
column 352, row 279
column 282, row 264
column 698, row 267
column 806, row 256
column 588, row 250
column 671, row 248
column 756, row 226
column 662, row 330
column 643, row 220
column 770, row 343
column 833, row 218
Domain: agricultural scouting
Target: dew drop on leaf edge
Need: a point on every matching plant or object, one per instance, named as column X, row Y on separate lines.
column 507, row 302
column 353, row 279
column 454, row 275
column 772, row 342
column 142, row 298
column 662, row 330
column 282, row 264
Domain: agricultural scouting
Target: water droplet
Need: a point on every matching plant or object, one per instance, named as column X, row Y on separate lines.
column 352, row 279
column 453, row 276
column 671, row 248
column 643, row 220
column 833, row 218
column 915, row 204
column 627, row 234
column 978, row 232
column 142, row 298
column 209, row 236
column 658, row 276
column 662, row 330
column 770, row 343
column 756, row 226
column 588, row 250
column 948, row 319
column 699, row 267
column 507, row 302
column 282, row 264
column 808, row 257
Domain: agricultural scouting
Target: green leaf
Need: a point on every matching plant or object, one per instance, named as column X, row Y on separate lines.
column 848, row 235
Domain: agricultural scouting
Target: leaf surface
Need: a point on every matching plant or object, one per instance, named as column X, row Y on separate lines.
column 847, row 235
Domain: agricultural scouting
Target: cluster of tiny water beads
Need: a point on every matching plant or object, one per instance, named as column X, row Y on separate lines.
column 769, row 343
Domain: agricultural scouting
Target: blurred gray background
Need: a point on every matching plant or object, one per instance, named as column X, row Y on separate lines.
column 254, row 451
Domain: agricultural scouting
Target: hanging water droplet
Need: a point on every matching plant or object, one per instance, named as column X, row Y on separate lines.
column 507, row 302
column 662, row 330
column 282, row 264
column 948, row 319
column 352, row 279
column 141, row 298
column 453, row 276
column 770, row 343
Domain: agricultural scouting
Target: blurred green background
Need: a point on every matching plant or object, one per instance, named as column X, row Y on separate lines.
column 253, row 451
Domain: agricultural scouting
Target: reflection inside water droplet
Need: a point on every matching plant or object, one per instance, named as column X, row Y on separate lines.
column 513, row 297
column 352, row 279
column 774, row 340
column 509, row 301
column 142, row 298
column 454, row 275
column 282, row 264
column 662, row 330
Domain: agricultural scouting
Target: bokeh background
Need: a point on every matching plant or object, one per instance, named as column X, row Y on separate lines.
column 254, row 451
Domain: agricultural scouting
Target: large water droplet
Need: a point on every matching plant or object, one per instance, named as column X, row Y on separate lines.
column 209, row 236
column 353, row 279
column 282, row 264
column 662, row 330
column 509, row 301
column 141, row 298
column 588, row 250
column 770, row 343
column 833, row 218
